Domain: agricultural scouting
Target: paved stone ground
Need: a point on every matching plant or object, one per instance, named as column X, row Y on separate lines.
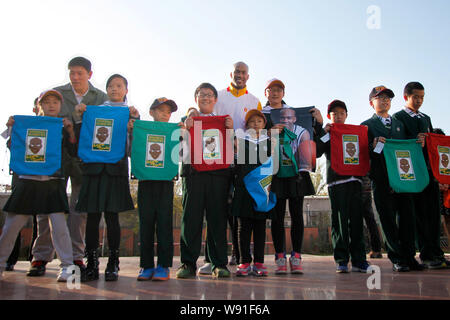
column 319, row 282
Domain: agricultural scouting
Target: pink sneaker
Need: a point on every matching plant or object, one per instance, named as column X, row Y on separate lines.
column 243, row 269
column 259, row 269
column 295, row 262
column 280, row 261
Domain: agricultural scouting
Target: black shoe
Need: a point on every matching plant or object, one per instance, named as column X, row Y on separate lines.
column 400, row 267
column 92, row 265
column 9, row 267
column 37, row 269
column 447, row 262
column 112, row 268
column 414, row 265
column 82, row 266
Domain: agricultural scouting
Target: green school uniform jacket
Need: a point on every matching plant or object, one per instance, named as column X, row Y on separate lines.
column 413, row 125
column 376, row 128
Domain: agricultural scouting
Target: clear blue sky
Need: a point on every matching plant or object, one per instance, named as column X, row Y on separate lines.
column 322, row 51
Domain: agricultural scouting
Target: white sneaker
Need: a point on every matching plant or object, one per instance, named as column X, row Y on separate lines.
column 205, row 269
column 63, row 275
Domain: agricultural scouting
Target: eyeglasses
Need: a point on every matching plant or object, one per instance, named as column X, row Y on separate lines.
column 383, row 98
column 209, row 95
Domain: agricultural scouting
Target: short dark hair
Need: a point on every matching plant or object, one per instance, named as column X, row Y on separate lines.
column 205, row 85
column 117, row 76
column 80, row 62
column 412, row 86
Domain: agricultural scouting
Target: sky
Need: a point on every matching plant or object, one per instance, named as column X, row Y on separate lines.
column 322, row 50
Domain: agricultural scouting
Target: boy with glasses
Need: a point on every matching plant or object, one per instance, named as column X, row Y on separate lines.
column 391, row 206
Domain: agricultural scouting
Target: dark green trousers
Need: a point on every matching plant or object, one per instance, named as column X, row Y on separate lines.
column 397, row 219
column 428, row 220
column 204, row 194
column 155, row 203
column 347, row 222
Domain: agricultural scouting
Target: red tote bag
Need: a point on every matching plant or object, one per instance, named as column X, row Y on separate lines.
column 211, row 149
column 349, row 149
column 438, row 147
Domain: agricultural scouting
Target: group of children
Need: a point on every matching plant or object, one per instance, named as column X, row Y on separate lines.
column 105, row 189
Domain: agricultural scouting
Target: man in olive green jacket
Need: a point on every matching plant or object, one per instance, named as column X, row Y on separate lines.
column 78, row 92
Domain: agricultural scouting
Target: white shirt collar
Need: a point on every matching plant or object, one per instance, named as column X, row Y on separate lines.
column 77, row 96
column 413, row 114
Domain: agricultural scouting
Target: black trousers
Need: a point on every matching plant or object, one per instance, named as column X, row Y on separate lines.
column 428, row 221
column 247, row 227
column 112, row 226
column 297, row 226
column 233, row 222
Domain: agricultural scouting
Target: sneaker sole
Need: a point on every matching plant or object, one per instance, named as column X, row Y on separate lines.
column 143, row 279
column 160, row 278
column 342, row 271
column 281, row 272
column 297, row 272
column 205, row 273
column 359, row 270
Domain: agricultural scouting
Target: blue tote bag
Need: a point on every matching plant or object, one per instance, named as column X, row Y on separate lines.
column 258, row 183
column 103, row 135
column 36, row 145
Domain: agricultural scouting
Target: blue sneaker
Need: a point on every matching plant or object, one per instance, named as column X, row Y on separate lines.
column 342, row 267
column 146, row 274
column 360, row 267
column 161, row 274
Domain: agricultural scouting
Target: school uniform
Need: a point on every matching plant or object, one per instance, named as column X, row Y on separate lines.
column 72, row 164
column 426, row 203
column 205, row 193
column 242, row 205
column 346, row 211
column 44, row 197
column 293, row 189
column 105, row 188
column 395, row 210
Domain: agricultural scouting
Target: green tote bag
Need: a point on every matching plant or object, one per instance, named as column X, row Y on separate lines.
column 155, row 150
column 406, row 167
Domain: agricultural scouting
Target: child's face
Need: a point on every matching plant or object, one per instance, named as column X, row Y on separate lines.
column 117, row 90
column 381, row 104
column 338, row 115
column 287, row 117
column 162, row 113
column 275, row 94
column 415, row 100
column 79, row 77
column 51, row 106
column 256, row 123
column 205, row 100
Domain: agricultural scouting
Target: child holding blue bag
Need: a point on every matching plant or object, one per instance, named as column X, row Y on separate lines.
column 250, row 220
column 43, row 196
column 105, row 188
